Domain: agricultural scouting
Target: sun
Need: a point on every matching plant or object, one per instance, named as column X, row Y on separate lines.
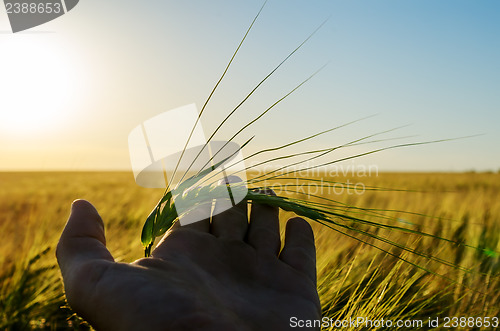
column 36, row 84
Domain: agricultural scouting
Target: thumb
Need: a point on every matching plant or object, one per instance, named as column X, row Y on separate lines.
column 83, row 238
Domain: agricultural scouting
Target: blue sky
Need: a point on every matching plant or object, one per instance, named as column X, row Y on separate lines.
column 430, row 64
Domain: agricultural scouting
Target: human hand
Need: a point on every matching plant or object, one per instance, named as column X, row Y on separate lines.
column 227, row 274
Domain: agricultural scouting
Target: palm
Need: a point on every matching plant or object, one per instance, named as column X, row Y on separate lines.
column 220, row 276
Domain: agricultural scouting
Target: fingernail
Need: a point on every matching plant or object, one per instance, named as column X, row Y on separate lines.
column 229, row 180
column 267, row 191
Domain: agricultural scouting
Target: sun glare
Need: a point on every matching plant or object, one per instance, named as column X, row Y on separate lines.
column 36, row 85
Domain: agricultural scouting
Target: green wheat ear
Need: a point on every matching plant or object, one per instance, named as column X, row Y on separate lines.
column 355, row 222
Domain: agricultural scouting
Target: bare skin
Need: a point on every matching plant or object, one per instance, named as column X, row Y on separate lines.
column 227, row 274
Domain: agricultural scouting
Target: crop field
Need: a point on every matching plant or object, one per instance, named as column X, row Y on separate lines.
column 357, row 275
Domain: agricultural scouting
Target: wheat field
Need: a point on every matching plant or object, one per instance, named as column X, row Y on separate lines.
column 355, row 278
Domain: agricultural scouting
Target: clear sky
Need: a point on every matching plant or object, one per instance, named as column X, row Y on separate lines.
column 71, row 90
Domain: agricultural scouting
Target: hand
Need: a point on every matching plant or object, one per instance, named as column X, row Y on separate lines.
column 220, row 275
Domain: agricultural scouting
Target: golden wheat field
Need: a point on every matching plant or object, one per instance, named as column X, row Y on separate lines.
column 355, row 278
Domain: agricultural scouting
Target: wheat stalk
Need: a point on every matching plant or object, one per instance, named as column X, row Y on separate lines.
column 355, row 222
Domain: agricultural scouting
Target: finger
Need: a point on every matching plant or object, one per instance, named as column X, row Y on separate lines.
column 190, row 222
column 83, row 238
column 161, row 244
column 264, row 229
column 233, row 222
column 299, row 250
column 197, row 219
column 201, row 226
column 230, row 224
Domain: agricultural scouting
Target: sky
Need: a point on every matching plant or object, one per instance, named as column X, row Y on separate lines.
column 73, row 89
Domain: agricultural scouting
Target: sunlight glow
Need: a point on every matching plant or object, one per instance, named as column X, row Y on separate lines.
column 36, row 85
